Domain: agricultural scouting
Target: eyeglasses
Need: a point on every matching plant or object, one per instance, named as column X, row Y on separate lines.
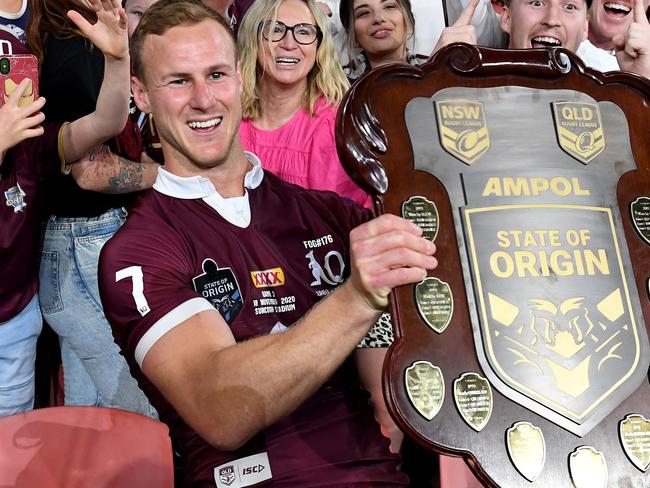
column 275, row 31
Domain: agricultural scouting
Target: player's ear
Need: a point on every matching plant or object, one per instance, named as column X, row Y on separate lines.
column 506, row 19
column 140, row 95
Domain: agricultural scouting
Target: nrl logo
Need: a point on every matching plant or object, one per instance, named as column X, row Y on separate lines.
column 463, row 129
column 15, row 198
column 579, row 129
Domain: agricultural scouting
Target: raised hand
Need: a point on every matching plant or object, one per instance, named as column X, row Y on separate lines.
column 460, row 31
column 633, row 48
column 109, row 33
column 19, row 123
column 388, row 252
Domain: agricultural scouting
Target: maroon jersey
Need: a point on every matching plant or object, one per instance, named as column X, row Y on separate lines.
column 181, row 251
column 22, row 173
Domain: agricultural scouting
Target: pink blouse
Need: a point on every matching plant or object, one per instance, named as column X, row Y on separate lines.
column 303, row 152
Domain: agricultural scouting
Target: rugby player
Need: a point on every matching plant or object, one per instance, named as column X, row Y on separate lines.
column 238, row 298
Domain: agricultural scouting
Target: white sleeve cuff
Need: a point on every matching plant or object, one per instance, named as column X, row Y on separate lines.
column 166, row 323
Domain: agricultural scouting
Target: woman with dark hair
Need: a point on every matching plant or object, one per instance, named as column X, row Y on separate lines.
column 81, row 221
column 378, row 32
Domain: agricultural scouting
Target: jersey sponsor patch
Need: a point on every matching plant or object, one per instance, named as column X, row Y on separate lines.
column 331, row 271
column 15, row 197
column 243, row 472
column 219, row 286
column 268, row 277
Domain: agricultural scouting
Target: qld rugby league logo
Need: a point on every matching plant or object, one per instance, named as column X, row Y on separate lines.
column 219, row 286
column 463, row 129
column 227, row 475
column 579, row 129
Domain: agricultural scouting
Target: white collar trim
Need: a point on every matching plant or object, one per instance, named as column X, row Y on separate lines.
column 195, row 187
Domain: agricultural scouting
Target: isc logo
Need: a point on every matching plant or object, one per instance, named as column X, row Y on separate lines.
column 252, row 470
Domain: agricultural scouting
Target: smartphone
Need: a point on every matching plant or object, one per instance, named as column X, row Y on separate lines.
column 14, row 68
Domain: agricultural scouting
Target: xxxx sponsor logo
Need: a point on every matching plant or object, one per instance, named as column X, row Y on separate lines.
column 268, row 278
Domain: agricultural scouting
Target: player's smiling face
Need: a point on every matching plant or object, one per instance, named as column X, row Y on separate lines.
column 545, row 23
column 192, row 86
column 608, row 18
column 287, row 62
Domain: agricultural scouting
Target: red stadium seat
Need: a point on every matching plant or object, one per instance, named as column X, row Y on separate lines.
column 84, row 447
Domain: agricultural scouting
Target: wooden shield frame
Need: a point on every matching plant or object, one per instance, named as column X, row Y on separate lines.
column 374, row 144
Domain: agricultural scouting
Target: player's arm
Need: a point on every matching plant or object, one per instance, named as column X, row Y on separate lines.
column 370, row 361
column 229, row 391
column 107, row 172
column 109, row 34
column 19, row 123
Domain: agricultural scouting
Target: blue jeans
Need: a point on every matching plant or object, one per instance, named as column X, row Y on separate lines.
column 17, row 356
column 94, row 371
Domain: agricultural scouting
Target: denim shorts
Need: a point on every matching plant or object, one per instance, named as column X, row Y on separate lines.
column 18, row 338
column 94, row 371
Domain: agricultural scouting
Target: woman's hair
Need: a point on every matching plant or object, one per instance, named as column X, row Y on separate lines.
column 48, row 18
column 346, row 12
column 326, row 78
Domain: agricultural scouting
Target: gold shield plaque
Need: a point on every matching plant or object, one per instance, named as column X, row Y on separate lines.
column 435, row 303
column 425, row 386
column 588, row 468
column 473, row 397
column 527, row 449
column 463, row 129
column 579, row 129
column 640, row 212
column 634, row 432
column 424, row 214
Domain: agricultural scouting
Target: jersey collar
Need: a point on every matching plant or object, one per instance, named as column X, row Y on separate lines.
column 193, row 187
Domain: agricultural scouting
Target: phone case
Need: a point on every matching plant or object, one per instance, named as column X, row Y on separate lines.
column 13, row 69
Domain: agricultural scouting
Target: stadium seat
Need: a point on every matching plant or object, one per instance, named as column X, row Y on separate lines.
column 76, row 447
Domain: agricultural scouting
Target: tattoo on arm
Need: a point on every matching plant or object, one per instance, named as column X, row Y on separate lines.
column 100, row 152
column 129, row 177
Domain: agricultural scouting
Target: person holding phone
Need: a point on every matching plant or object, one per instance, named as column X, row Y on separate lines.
column 32, row 151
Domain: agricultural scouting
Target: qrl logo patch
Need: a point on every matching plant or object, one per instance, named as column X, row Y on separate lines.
column 219, row 286
column 579, row 129
column 268, row 278
column 15, row 198
column 227, row 475
column 463, row 129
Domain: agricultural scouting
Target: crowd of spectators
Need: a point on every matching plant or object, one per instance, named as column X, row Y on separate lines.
column 73, row 167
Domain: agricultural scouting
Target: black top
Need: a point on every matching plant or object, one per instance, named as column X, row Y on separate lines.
column 71, row 77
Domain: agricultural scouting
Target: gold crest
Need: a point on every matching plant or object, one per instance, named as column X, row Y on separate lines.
column 425, row 387
column 588, row 468
column 527, row 449
column 579, row 129
column 634, row 432
column 463, row 129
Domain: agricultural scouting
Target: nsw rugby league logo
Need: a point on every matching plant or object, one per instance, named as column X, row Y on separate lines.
column 219, row 286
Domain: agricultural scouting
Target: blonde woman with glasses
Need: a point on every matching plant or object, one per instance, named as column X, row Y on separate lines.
column 293, row 84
